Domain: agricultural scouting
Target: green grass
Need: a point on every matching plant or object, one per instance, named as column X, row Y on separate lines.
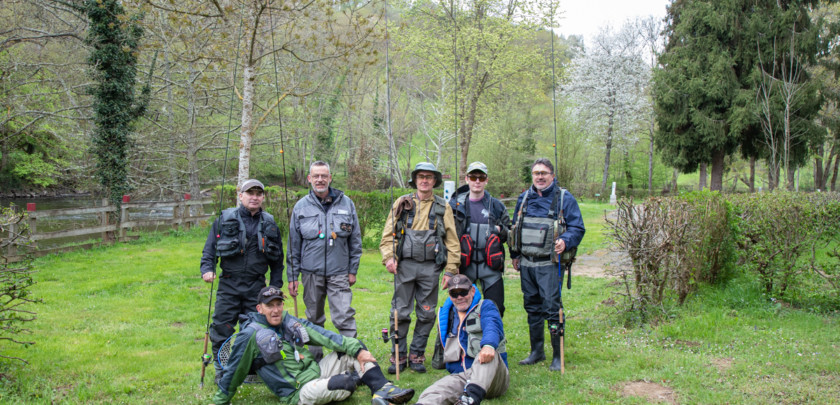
column 125, row 324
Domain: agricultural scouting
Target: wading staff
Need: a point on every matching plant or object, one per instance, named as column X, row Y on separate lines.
column 397, row 341
column 207, row 358
column 562, row 334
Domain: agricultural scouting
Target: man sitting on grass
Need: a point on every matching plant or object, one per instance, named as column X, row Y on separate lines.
column 271, row 344
column 474, row 348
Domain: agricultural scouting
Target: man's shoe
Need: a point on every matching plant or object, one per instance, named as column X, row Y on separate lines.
column 390, row 393
column 415, row 362
column 392, row 369
column 535, row 357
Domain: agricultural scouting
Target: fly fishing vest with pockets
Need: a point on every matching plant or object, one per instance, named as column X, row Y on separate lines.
column 422, row 245
column 233, row 240
column 535, row 236
column 472, row 325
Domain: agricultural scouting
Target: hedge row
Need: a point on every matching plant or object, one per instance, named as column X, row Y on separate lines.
column 787, row 241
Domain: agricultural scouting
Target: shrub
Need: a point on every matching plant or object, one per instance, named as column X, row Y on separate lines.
column 673, row 244
column 779, row 229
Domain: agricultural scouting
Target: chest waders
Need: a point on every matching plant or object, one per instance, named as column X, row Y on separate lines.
column 535, row 236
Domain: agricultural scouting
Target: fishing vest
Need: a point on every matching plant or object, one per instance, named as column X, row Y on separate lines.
column 422, row 245
column 478, row 233
column 535, row 236
column 233, row 240
column 472, row 325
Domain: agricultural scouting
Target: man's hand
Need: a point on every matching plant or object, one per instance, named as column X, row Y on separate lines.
column 208, row 277
column 444, row 283
column 559, row 246
column 486, row 354
column 293, row 285
column 365, row 357
column 351, row 278
column 515, row 263
column 391, row 265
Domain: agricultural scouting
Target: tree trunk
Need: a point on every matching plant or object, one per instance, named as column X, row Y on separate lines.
column 752, row 174
column 718, row 157
column 834, row 175
column 674, row 178
column 650, row 162
column 791, row 179
column 608, row 145
column 246, row 135
column 819, row 181
column 703, row 176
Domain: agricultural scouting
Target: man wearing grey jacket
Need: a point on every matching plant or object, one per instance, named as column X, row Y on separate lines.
column 324, row 249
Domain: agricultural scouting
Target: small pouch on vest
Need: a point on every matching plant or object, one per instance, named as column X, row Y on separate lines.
column 452, row 350
column 494, row 253
column 269, row 345
column 466, row 250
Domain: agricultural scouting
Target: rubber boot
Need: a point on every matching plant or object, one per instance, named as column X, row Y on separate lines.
column 536, row 332
column 557, row 360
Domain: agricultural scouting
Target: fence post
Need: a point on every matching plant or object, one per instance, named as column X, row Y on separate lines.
column 12, row 248
column 123, row 219
column 187, row 212
column 103, row 221
column 175, row 215
column 30, row 207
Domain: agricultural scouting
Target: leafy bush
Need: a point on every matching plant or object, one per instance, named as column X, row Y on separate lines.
column 15, row 280
column 673, row 244
column 780, row 230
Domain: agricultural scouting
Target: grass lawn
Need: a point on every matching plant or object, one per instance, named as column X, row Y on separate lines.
column 125, row 324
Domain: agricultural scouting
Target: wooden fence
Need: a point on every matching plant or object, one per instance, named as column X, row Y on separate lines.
column 184, row 213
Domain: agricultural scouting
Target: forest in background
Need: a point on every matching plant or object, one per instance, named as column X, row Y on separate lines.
column 746, row 91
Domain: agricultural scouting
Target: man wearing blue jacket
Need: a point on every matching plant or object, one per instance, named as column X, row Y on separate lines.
column 474, row 348
column 546, row 224
column 325, row 247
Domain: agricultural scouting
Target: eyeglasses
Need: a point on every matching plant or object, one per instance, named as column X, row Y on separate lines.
column 320, row 176
column 459, row 293
column 540, row 174
column 425, row 177
column 477, row 177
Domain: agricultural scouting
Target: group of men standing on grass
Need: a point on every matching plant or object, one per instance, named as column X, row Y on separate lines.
column 424, row 236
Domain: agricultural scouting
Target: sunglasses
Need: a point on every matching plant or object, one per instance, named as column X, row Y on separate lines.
column 272, row 291
column 458, row 293
column 479, row 177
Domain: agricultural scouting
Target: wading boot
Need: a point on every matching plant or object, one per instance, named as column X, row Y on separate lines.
column 537, row 339
column 392, row 369
column 556, row 360
column 415, row 362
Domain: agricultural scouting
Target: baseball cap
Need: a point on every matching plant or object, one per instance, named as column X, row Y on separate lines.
column 251, row 183
column 477, row 166
column 460, row 282
column 267, row 294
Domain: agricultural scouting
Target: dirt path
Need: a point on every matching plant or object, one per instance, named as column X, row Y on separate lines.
column 597, row 264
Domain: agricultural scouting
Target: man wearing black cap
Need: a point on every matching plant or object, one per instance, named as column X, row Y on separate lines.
column 247, row 241
column 416, row 247
column 474, row 348
column 272, row 344
column 483, row 224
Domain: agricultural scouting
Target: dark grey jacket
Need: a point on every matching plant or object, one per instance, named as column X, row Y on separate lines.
column 307, row 252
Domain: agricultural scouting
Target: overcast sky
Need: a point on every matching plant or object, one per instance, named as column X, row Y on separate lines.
column 588, row 16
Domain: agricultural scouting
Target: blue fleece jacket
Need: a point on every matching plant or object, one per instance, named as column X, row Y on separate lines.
column 492, row 331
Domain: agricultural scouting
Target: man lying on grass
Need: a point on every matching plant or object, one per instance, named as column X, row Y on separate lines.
column 272, row 343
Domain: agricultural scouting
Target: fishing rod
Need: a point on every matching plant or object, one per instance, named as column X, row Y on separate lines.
column 207, row 358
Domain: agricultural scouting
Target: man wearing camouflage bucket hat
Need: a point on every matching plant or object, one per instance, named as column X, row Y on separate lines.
column 274, row 344
column 418, row 243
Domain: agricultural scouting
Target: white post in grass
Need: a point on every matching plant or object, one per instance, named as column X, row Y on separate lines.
column 612, row 196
